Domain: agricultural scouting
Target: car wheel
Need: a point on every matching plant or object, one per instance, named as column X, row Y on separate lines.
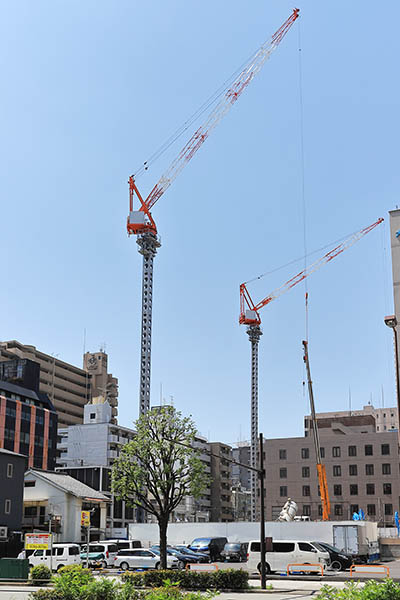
column 267, row 568
column 60, row 567
column 158, row 565
column 181, row 564
column 336, row 565
column 104, row 564
column 124, row 566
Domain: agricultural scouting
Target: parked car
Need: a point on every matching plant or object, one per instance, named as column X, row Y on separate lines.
column 126, row 544
column 197, row 556
column 63, row 554
column 235, row 552
column 95, row 559
column 109, row 549
column 212, row 546
column 285, row 552
column 340, row 561
column 184, row 559
column 141, row 558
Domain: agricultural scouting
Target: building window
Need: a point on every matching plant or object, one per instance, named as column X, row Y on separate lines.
column 338, row 510
column 385, row 449
column 337, row 470
column 29, row 483
column 352, row 469
column 369, row 450
column 370, row 488
column 387, row 488
column 306, row 510
column 336, row 451
column 388, row 509
column 369, row 469
column 337, row 490
column 92, row 415
column 353, row 489
column 283, row 473
column 305, row 453
column 282, row 454
column 10, row 470
column 7, row 507
column 283, row 491
column 353, row 509
column 352, row 450
column 30, row 511
column 322, row 452
column 320, row 510
column 386, row 469
column 371, row 510
column 305, row 471
column 306, row 490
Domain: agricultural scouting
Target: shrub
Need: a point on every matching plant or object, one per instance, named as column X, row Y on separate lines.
column 102, row 589
column 191, row 580
column 70, row 582
column 44, row 595
column 386, row 589
column 40, row 573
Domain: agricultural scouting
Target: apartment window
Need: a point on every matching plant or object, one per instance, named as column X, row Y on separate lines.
column 7, row 507
column 369, row 469
column 387, row 488
column 282, row 454
column 320, row 510
column 337, row 490
column 283, row 473
column 338, row 510
column 385, row 449
column 10, row 470
column 388, row 509
column 306, row 490
column 305, row 471
column 369, row 450
column 92, row 415
column 337, row 470
column 352, row 450
column 322, row 452
column 29, row 483
column 305, row 453
column 370, row 488
column 336, row 451
column 386, row 469
column 306, row 510
column 352, row 469
column 30, row 511
column 283, row 491
column 353, row 508
column 353, row 489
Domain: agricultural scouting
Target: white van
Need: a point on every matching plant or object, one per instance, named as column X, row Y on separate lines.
column 126, row 544
column 63, row 554
column 285, row 552
column 108, row 548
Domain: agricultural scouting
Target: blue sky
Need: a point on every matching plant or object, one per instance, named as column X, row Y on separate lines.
column 91, row 89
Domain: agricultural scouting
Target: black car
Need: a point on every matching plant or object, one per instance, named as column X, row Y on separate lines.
column 235, row 552
column 340, row 560
column 212, row 546
column 198, row 557
column 183, row 558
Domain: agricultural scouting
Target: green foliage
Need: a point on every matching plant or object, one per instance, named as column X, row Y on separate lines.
column 386, row 589
column 40, row 573
column 45, row 595
column 71, row 581
column 155, row 460
column 102, row 589
column 191, row 580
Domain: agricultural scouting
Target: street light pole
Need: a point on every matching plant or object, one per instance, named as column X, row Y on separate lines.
column 391, row 322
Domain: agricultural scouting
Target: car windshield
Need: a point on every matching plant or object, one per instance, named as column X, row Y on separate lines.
column 234, row 547
column 332, row 548
column 318, row 547
column 200, row 543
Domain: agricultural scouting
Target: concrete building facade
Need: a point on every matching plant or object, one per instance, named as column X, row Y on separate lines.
column 69, row 387
column 385, row 419
column 362, row 469
column 221, row 482
column 12, row 469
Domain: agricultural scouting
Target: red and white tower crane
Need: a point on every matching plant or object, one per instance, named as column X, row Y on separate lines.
column 140, row 221
column 249, row 315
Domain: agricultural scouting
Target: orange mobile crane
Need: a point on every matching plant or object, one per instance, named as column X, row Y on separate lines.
column 249, row 315
column 140, row 221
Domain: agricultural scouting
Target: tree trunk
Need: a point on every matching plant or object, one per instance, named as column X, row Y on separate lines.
column 163, row 525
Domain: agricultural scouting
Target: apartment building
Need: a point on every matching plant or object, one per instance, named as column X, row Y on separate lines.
column 362, row 468
column 241, row 486
column 68, row 387
column 87, row 452
column 221, row 482
column 28, row 421
column 385, row 419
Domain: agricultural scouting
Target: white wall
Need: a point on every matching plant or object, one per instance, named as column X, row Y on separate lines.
column 184, row 533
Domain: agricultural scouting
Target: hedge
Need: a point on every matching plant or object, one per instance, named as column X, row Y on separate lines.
column 227, row 579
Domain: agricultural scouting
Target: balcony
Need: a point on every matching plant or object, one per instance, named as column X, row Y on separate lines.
column 112, row 454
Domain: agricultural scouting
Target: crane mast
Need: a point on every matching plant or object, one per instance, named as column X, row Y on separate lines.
column 323, row 483
column 249, row 316
column 141, row 223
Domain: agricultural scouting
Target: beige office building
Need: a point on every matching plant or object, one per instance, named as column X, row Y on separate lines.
column 69, row 387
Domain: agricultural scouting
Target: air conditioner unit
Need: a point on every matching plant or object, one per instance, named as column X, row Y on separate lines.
column 3, row 532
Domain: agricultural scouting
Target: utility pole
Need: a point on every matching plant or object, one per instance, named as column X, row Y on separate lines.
column 254, row 332
column 261, row 476
column 148, row 243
